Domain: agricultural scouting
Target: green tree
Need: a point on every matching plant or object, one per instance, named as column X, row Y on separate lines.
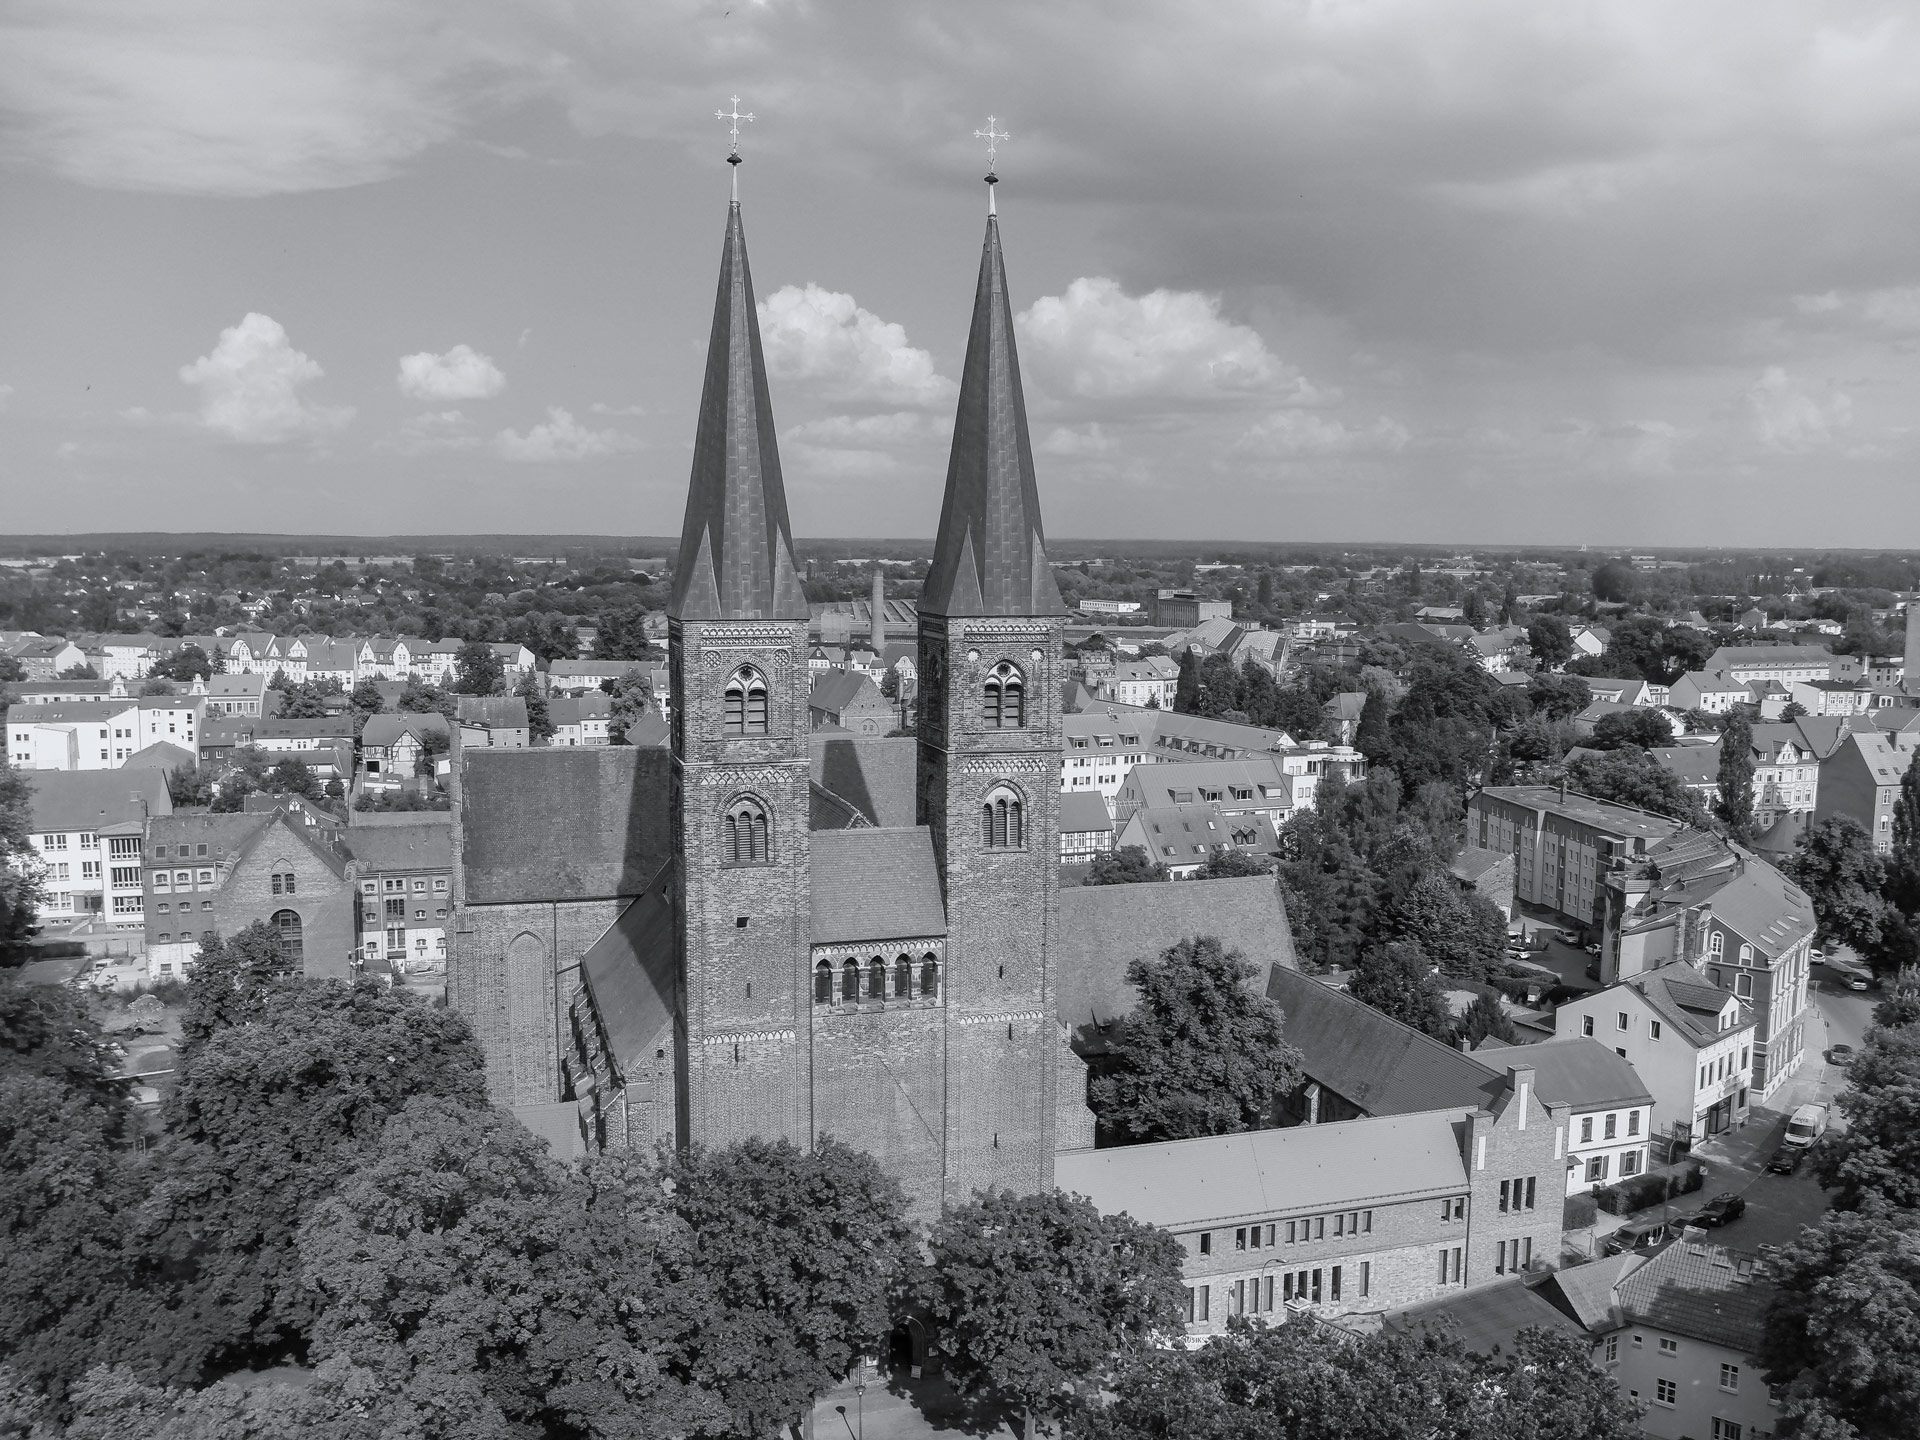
column 1558, row 697
column 1485, row 1017
column 1636, row 726
column 1734, row 805
column 1903, row 862
column 1842, row 1335
column 540, row 725
column 1834, row 862
column 1550, row 641
column 82, row 671
column 1227, row 863
column 796, row 1257
column 1200, row 1053
column 188, row 663
column 11, row 670
column 1128, row 865
column 305, row 701
column 1462, row 932
column 1900, row 999
column 478, row 671
column 21, row 890
column 1038, row 1298
column 419, row 698
column 1397, row 980
column 622, row 636
column 632, row 693
column 292, row 777
column 1875, row 1161
column 1186, row 689
column 1633, row 777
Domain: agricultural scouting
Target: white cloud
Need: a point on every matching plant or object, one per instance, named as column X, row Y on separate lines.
column 434, row 430
column 872, row 432
column 1790, row 420
column 463, row 373
column 600, row 408
column 1077, row 441
column 1170, row 347
column 561, row 438
column 6, row 396
column 851, row 355
column 1287, row 434
column 249, row 386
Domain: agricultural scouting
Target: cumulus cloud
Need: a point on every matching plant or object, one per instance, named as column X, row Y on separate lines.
column 463, row 373
column 1075, row 442
column 1790, row 420
column 872, row 432
column 6, row 396
column 849, row 355
column 1288, row 434
column 249, row 386
column 1167, row 347
column 1895, row 310
column 561, row 437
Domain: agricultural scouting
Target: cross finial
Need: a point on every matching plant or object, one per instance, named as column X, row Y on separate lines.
column 993, row 137
column 733, row 130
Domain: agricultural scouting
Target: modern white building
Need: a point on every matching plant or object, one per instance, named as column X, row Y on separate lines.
column 1609, row 1109
column 99, row 734
column 86, row 827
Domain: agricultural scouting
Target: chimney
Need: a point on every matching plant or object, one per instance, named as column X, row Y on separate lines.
column 878, row 606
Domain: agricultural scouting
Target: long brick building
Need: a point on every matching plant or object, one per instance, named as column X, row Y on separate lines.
column 768, row 932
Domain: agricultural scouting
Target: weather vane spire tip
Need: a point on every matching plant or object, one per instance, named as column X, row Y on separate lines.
column 734, row 117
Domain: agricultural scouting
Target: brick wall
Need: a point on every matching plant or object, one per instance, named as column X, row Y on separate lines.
column 323, row 900
column 879, row 1086
column 1519, row 1141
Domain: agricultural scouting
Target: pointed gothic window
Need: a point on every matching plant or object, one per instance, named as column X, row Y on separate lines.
column 876, row 979
column 746, row 702
column 1004, row 701
column 823, row 984
column 850, row 982
column 1003, row 821
column 903, row 978
column 743, row 838
column 929, row 976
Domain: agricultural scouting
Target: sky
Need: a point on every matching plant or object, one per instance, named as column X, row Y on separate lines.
column 1491, row 271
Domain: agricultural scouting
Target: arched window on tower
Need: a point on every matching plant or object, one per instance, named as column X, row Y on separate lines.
column 929, row 976
column 746, row 702
column 850, row 982
column 876, row 979
column 743, row 836
column 903, row 978
column 1003, row 823
column 823, row 984
column 1004, row 704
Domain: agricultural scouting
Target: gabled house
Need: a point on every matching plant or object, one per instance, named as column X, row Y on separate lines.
column 1609, row 1110
column 1232, row 787
column 86, row 826
column 392, row 746
column 496, row 721
column 1086, row 828
column 1182, row 837
column 581, row 719
column 1711, row 691
column 850, row 700
column 1860, row 780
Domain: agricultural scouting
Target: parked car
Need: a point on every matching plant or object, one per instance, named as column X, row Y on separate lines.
column 1859, row 982
column 1786, row 1160
column 1720, row 1210
column 1639, row 1235
column 1808, row 1124
column 1840, row 1054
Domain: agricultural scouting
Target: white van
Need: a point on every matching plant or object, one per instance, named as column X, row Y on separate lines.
column 1808, row 1124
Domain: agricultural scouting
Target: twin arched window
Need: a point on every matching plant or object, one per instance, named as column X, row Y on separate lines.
column 746, row 702
column 1003, row 821
column 854, row 982
column 1004, row 701
column 743, row 836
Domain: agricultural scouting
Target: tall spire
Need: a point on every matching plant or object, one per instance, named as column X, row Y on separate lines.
column 990, row 557
column 736, row 545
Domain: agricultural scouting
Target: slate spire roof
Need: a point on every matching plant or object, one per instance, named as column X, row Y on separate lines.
column 990, row 557
column 736, row 545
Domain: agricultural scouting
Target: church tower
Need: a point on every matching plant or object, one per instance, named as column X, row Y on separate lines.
column 738, row 662
column 989, row 765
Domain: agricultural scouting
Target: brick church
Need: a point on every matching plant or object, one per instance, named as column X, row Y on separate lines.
column 763, row 931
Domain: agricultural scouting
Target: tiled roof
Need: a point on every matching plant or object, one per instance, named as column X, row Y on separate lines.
column 567, row 823
column 873, row 774
column 1690, row 764
column 70, row 712
column 1472, row 862
column 1702, row 1291
column 1590, row 1293
column 1602, row 815
column 1188, row 834
column 1103, row 928
column 426, row 844
column 630, row 971
column 386, row 729
column 875, row 884
column 1084, row 812
column 1190, row 1184
column 1578, row 1071
column 67, row 800
column 1371, row 1060
column 494, row 712
column 1488, row 1318
column 161, row 755
column 837, row 690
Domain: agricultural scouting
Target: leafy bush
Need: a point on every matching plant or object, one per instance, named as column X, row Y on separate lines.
column 1580, row 1212
column 1640, row 1191
column 58, row 949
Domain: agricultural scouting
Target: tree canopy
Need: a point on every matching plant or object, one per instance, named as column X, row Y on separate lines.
column 1128, row 865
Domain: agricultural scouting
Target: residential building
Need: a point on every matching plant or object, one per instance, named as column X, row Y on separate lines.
column 1590, row 640
column 87, row 827
column 852, row 701
column 1715, row 692
column 1102, row 746
column 1690, row 1042
column 1831, row 697
column 127, row 657
column 65, row 692
column 499, row 721
column 1488, row 873
column 1686, row 1339
column 515, row 659
column 1351, row 1218
column 1231, row 787
column 1562, row 842
column 209, row 874
column 1180, row 609
column 43, row 657
column 241, row 692
column 1086, row 827
column 1774, row 662
column 403, row 872
column 581, row 719
column 1609, row 1110
column 574, row 677
column 1148, row 683
column 275, row 735
column 1182, row 837
column 1861, row 779
column 336, row 660
column 1343, row 712
column 1631, row 693
column 99, row 734
column 392, row 746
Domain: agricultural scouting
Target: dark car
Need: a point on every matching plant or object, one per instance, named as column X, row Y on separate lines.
column 1721, row 1210
column 1840, row 1055
column 1786, row 1160
column 1639, row 1235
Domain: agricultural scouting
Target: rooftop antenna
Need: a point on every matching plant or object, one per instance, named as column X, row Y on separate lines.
column 734, row 117
column 993, row 137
